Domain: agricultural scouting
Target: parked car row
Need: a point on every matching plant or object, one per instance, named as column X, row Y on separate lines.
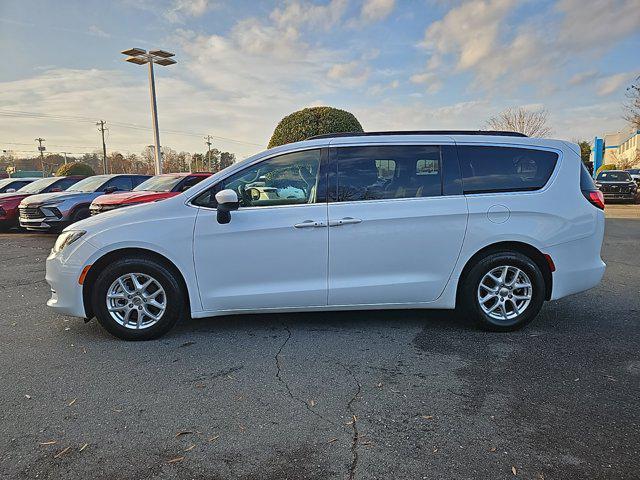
column 50, row 204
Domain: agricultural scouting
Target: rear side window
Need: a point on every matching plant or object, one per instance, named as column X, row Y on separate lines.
column 387, row 172
column 586, row 182
column 504, row 169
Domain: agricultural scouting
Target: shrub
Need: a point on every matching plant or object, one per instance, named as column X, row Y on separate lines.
column 312, row 121
column 607, row 166
column 75, row 168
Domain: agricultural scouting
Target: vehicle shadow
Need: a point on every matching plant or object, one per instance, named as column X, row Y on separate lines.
column 353, row 320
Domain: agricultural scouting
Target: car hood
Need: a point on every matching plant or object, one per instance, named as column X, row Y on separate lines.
column 12, row 197
column 124, row 198
column 120, row 217
column 57, row 197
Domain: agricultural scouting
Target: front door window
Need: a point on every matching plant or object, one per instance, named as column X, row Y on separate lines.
column 288, row 179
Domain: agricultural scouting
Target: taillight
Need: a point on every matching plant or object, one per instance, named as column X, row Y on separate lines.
column 595, row 197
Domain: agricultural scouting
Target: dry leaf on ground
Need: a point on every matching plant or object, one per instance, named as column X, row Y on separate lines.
column 61, row 452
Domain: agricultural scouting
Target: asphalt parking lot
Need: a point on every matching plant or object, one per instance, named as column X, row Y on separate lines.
column 418, row 395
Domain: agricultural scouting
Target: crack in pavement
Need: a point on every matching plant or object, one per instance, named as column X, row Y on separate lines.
column 354, row 425
column 286, row 384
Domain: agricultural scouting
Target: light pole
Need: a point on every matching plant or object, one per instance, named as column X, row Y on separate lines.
column 159, row 57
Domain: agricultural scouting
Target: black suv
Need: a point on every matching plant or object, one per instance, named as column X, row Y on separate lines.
column 617, row 185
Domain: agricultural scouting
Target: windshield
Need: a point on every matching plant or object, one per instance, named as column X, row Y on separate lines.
column 159, row 183
column 6, row 181
column 634, row 171
column 38, row 185
column 90, row 184
column 614, row 176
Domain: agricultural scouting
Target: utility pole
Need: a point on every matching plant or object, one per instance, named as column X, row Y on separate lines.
column 104, row 145
column 41, row 149
column 208, row 143
column 65, row 157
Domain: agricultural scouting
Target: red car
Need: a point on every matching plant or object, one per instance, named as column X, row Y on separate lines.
column 9, row 201
column 151, row 190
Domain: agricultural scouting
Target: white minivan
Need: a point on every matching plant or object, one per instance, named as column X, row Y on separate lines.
column 493, row 223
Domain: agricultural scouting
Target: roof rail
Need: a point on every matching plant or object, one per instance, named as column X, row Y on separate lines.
column 499, row 133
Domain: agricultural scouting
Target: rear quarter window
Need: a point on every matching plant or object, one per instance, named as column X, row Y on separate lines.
column 487, row 169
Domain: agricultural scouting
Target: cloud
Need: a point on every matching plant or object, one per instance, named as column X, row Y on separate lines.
column 376, row 10
column 351, row 74
column 297, row 14
column 469, row 32
column 479, row 36
column 613, row 83
column 596, row 24
column 183, row 9
column 431, row 80
column 98, row 32
column 380, row 88
column 583, row 77
column 68, row 97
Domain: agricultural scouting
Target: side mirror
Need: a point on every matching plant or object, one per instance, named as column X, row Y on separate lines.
column 111, row 189
column 10, row 190
column 227, row 202
column 55, row 190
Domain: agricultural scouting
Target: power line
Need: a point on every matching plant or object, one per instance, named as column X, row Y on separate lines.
column 132, row 126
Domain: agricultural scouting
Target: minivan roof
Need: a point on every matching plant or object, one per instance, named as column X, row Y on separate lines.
column 495, row 133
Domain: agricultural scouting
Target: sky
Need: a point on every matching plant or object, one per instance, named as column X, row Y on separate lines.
column 243, row 65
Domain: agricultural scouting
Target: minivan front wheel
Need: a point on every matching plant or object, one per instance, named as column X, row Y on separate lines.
column 137, row 299
column 504, row 291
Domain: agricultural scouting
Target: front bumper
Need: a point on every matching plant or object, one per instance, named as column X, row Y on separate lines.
column 44, row 223
column 619, row 196
column 97, row 209
column 63, row 272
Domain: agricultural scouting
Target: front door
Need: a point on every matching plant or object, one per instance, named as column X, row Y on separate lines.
column 394, row 237
column 273, row 253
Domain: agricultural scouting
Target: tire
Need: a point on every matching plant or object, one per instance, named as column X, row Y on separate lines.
column 494, row 264
column 80, row 214
column 131, row 326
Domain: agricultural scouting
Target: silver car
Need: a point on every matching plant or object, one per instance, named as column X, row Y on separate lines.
column 54, row 211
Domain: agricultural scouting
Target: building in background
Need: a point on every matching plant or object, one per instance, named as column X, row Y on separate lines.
column 621, row 149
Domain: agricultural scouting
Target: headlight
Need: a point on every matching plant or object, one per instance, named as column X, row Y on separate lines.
column 51, row 211
column 65, row 239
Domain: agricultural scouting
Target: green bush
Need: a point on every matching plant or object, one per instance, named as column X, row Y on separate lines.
column 607, row 166
column 75, row 168
column 312, row 121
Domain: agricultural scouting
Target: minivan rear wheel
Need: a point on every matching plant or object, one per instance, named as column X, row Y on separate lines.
column 137, row 299
column 504, row 291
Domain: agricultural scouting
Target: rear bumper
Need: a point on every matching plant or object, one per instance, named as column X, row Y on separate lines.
column 578, row 263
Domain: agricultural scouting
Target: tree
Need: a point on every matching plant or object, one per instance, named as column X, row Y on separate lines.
column 633, row 104
column 585, row 151
column 75, row 168
column 226, row 160
column 532, row 123
column 312, row 121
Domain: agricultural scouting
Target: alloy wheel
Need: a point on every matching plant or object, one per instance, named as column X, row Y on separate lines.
column 136, row 301
column 505, row 292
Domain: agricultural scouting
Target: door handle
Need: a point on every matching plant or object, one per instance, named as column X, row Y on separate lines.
column 344, row 221
column 310, row 224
